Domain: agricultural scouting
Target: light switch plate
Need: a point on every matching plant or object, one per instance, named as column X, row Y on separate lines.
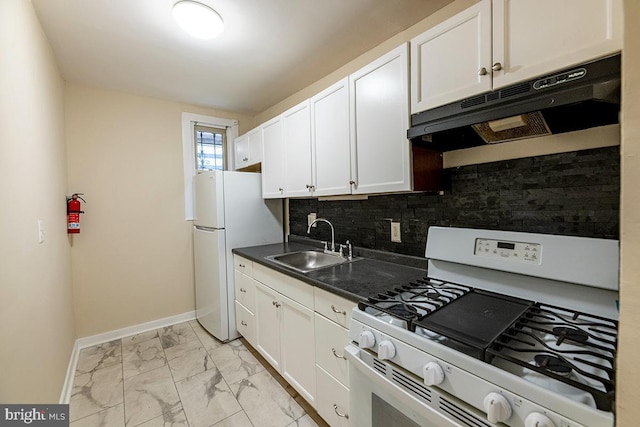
column 40, row 231
column 395, row 232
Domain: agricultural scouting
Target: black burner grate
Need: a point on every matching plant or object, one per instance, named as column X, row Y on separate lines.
column 552, row 337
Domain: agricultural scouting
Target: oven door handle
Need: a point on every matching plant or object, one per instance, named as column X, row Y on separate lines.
column 353, row 356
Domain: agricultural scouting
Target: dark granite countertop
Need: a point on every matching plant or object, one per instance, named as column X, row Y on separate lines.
column 354, row 281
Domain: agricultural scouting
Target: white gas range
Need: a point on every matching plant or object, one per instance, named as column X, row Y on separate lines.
column 508, row 328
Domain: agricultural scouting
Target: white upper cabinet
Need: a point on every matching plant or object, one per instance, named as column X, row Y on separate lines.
column 330, row 140
column 379, row 101
column 273, row 160
column 496, row 43
column 248, row 148
column 296, row 130
column 535, row 37
column 450, row 60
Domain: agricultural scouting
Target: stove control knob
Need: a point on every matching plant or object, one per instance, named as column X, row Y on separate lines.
column 536, row 419
column 433, row 374
column 497, row 407
column 386, row 350
column 366, row 339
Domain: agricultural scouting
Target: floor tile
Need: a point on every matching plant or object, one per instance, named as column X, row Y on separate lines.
column 206, row 399
column 142, row 357
column 175, row 418
column 190, row 363
column 235, row 361
column 99, row 356
column 176, row 334
column 304, row 421
column 266, row 403
column 148, row 395
column 238, row 419
column 209, row 342
column 95, row 391
column 138, row 338
column 112, row 417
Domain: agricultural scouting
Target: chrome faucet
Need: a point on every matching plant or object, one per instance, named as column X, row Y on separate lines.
column 333, row 236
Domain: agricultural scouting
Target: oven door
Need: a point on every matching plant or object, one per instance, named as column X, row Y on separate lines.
column 376, row 401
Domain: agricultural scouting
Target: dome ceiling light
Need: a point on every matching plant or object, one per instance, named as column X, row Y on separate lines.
column 198, row 19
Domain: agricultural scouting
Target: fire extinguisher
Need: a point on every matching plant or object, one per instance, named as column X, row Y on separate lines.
column 73, row 213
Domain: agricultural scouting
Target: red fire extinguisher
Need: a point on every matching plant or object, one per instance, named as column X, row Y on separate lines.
column 73, row 213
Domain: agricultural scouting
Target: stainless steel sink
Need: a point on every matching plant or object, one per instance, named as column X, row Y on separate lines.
column 309, row 260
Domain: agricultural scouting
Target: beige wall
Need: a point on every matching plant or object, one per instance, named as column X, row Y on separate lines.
column 36, row 315
column 132, row 261
column 628, row 378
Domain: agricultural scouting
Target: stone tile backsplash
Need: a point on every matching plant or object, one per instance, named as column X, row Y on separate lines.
column 576, row 194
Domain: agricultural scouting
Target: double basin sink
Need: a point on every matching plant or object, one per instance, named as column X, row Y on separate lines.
column 309, row 260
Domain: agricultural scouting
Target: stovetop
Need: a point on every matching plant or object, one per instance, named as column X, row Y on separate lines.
column 563, row 350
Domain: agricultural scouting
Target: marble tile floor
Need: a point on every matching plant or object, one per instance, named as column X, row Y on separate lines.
column 182, row 376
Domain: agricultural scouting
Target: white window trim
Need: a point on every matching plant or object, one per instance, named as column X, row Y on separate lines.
column 188, row 151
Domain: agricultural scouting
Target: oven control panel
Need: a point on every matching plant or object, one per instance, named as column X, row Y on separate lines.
column 530, row 253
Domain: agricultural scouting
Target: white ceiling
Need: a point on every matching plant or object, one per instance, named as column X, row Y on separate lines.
column 270, row 48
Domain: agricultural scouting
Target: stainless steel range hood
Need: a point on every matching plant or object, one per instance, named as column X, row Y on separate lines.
column 577, row 98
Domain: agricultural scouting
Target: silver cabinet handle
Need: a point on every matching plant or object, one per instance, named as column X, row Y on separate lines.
column 497, row 66
column 482, row 71
column 333, row 350
column 242, row 266
column 276, row 304
column 352, row 182
column 335, row 409
column 246, row 159
column 335, row 310
column 310, row 187
column 281, row 189
column 243, row 290
column 243, row 323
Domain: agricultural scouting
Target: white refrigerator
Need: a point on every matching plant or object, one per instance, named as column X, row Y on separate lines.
column 230, row 213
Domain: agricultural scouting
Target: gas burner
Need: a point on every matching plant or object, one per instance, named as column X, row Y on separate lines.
column 553, row 364
column 403, row 310
column 573, row 334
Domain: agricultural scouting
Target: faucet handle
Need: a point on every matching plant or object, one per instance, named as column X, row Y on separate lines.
column 341, row 249
column 326, row 245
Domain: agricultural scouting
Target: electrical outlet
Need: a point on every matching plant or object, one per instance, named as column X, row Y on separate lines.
column 395, row 232
column 310, row 218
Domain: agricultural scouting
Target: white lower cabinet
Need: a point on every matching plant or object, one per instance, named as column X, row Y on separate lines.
column 285, row 329
column 301, row 330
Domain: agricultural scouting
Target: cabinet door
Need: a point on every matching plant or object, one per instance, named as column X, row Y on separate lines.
column 330, row 140
column 298, row 347
column 273, row 160
column 447, row 60
column 241, row 146
column 380, row 151
column 255, row 146
column 267, row 325
column 296, row 130
column 536, row 37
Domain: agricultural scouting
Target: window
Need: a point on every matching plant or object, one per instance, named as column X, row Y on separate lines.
column 210, row 148
column 228, row 128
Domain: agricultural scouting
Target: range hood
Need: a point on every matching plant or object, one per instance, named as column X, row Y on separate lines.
column 576, row 98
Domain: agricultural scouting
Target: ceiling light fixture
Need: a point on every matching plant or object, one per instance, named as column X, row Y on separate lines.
column 198, row 19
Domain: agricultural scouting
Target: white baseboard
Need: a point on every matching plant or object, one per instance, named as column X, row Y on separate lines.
column 92, row 340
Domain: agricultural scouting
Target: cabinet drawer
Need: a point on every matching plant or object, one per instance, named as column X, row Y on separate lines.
column 333, row 307
column 243, row 265
column 245, row 323
column 245, row 291
column 331, row 340
column 297, row 290
column 333, row 399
